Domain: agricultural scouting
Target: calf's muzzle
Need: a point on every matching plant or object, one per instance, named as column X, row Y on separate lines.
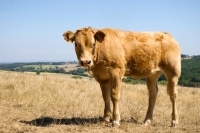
column 85, row 62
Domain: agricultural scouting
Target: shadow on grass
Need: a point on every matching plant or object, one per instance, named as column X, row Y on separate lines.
column 46, row 121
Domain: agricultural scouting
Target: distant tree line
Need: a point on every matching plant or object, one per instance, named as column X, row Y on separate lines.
column 24, row 67
column 13, row 66
column 184, row 56
column 78, row 71
column 131, row 80
column 29, row 67
column 190, row 71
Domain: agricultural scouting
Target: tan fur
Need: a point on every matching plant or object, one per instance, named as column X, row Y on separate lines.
column 109, row 54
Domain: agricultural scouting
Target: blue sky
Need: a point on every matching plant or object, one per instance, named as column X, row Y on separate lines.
column 31, row 30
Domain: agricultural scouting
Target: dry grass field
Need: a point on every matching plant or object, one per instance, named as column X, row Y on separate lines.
column 59, row 103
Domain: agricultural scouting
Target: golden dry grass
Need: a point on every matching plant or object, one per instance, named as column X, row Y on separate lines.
column 59, row 103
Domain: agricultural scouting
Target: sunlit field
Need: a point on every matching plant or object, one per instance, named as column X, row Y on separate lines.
column 52, row 103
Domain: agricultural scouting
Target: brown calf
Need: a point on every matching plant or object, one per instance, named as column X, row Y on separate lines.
column 109, row 54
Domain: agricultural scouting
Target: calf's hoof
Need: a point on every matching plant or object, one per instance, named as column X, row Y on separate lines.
column 115, row 125
column 105, row 123
column 147, row 123
column 174, row 124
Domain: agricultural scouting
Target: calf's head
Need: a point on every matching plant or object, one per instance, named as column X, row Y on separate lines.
column 85, row 41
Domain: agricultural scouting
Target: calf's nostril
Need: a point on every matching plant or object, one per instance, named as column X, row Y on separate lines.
column 89, row 62
column 85, row 62
column 81, row 63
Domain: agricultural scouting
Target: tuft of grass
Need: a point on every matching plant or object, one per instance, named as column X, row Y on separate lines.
column 77, row 77
column 60, row 103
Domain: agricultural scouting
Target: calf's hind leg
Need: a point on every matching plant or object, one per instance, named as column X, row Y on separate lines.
column 153, row 90
column 173, row 93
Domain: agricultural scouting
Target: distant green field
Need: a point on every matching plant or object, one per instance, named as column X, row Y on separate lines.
column 42, row 66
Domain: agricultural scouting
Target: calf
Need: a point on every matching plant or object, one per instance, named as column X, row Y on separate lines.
column 109, row 54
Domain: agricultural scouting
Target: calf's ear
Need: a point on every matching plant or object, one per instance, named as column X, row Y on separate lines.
column 69, row 36
column 99, row 36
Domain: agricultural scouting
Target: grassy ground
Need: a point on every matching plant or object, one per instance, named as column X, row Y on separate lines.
column 59, row 103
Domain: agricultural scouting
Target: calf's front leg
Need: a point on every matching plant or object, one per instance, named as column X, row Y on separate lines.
column 115, row 84
column 105, row 89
